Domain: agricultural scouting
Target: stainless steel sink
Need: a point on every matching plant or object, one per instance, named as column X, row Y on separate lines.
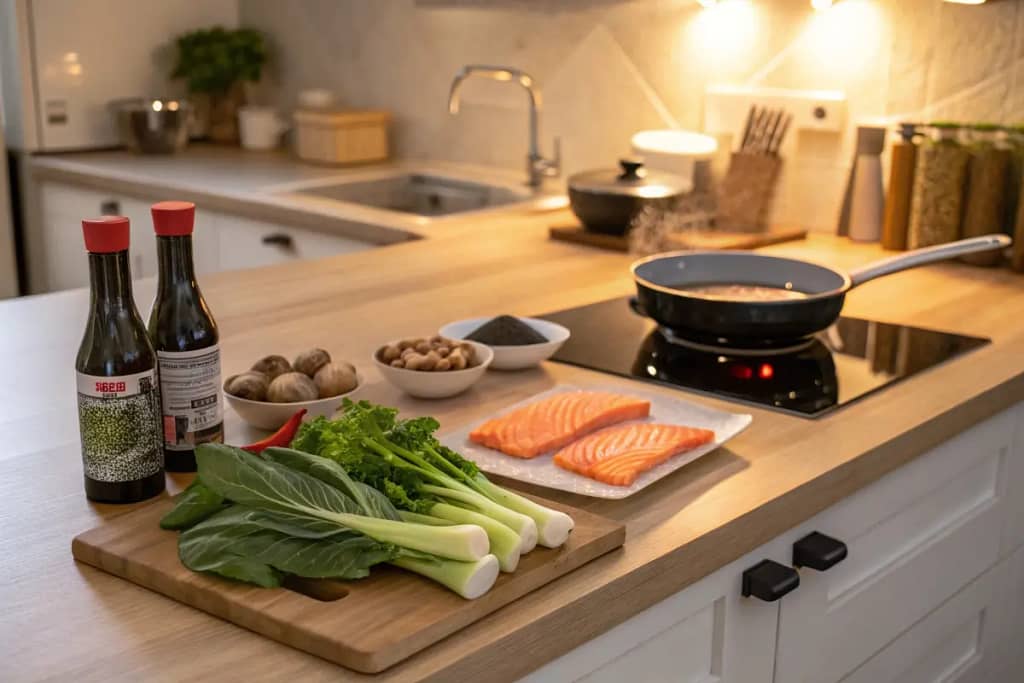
column 421, row 194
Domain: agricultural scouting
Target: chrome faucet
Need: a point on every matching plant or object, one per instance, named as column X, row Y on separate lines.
column 537, row 166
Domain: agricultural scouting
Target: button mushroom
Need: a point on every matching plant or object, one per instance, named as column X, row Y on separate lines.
column 251, row 385
column 308, row 362
column 291, row 387
column 334, row 379
column 272, row 366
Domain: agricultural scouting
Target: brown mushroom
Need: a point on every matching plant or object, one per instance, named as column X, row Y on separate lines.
column 308, row 362
column 291, row 387
column 251, row 385
column 334, row 379
column 389, row 353
column 272, row 366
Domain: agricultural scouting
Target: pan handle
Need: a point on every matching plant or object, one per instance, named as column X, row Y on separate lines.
column 920, row 257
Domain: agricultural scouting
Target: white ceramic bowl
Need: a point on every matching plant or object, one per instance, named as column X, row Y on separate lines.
column 267, row 415
column 514, row 357
column 425, row 384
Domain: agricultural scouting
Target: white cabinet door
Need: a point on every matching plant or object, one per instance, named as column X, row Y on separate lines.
column 64, row 207
column 246, row 243
column 915, row 538
column 954, row 644
column 706, row 633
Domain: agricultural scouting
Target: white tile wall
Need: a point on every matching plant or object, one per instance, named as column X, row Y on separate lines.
column 611, row 67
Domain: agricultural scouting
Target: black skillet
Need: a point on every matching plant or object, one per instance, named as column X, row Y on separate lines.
column 663, row 285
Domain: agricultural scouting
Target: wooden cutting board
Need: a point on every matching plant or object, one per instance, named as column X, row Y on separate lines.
column 704, row 239
column 366, row 625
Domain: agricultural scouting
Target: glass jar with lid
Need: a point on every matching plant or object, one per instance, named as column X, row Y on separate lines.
column 939, row 182
column 985, row 198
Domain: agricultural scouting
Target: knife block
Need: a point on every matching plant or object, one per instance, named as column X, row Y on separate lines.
column 746, row 192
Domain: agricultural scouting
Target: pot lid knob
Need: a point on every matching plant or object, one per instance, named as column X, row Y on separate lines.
column 632, row 170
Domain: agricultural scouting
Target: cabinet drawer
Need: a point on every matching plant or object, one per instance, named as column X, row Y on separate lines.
column 244, row 243
column 915, row 538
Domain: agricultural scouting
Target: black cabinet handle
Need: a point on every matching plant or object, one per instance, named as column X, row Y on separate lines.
column 110, row 207
column 818, row 551
column 279, row 239
column 768, row 580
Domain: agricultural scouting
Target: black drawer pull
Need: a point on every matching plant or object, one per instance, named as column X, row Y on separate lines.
column 279, row 239
column 768, row 580
column 110, row 207
column 818, row 551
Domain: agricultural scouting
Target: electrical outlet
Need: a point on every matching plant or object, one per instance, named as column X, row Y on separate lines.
column 726, row 107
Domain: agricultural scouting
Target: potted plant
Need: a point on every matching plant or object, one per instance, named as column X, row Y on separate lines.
column 215, row 64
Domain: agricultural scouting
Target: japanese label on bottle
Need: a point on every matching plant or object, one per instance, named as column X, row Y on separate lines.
column 190, row 389
column 119, row 419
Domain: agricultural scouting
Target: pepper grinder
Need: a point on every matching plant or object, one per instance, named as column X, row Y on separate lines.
column 866, row 192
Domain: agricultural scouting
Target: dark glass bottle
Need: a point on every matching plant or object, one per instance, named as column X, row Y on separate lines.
column 185, row 337
column 118, row 396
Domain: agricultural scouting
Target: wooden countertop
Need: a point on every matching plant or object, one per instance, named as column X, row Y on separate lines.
column 68, row 621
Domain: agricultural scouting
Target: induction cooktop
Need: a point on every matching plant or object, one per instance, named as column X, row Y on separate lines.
column 810, row 378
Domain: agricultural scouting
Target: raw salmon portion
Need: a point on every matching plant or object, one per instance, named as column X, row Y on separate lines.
column 557, row 420
column 619, row 454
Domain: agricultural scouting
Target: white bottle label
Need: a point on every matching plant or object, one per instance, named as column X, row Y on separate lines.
column 119, row 419
column 190, row 389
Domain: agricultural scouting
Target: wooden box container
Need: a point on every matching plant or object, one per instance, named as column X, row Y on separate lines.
column 341, row 136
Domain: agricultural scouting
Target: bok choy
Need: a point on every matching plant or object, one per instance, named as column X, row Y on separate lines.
column 256, row 520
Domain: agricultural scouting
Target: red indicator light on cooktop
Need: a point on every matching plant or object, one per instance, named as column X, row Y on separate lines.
column 766, row 371
column 741, row 371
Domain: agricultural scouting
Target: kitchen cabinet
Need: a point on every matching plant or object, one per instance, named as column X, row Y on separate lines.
column 706, row 633
column 221, row 241
column 931, row 588
column 915, row 538
column 247, row 243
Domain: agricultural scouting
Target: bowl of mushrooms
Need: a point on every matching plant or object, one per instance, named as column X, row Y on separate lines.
column 433, row 367
column 274, row 389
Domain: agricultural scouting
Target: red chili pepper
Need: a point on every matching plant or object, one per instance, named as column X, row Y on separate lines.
column 282, row 437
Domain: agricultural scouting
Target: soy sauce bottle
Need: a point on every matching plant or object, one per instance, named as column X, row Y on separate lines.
column 118, row 394
column 185, row 337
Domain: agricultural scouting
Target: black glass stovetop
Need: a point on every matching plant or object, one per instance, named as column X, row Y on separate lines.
column 810, row 378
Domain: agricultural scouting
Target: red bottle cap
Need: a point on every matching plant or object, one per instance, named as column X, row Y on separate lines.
column 171, row 219
column 106, row 234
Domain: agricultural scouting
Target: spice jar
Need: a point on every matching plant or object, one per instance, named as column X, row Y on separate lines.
column 939, row 179
column 985, row 196
column 901, row 186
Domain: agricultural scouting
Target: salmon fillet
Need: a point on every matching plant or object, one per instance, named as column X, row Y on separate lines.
column 617, row 455
column 557, row 420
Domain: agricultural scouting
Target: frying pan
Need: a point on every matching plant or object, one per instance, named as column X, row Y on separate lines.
column 662, row 283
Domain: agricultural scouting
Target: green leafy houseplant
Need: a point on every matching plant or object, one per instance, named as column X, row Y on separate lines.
column 215, row 63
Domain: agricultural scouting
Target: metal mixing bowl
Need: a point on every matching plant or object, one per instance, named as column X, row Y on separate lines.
column 154, row 126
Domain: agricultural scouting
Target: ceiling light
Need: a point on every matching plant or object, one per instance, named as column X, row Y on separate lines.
column 821, row 4
column 707, row 3
column 967, row 2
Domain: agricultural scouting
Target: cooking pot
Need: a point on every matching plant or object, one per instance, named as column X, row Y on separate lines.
column 150, row 126
column 606, row 201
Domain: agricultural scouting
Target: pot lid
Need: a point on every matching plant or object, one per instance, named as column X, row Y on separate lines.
column 633, row 179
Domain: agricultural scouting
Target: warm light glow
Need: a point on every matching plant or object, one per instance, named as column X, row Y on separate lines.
column 766, row 371
column 707, row 3
column 724, row 34
column 158, row 105
column 842, row 41
column 821, row 4
column 967, row 2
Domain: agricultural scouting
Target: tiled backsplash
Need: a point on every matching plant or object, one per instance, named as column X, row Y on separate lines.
column 609, row 68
